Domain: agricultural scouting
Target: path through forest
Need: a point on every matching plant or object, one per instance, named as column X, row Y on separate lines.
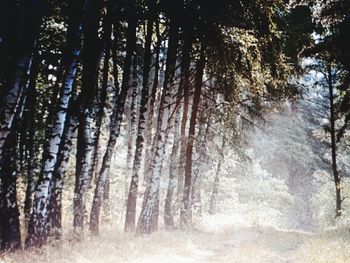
column 253, row 244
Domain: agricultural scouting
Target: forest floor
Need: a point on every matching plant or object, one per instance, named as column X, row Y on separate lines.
column 253, row 244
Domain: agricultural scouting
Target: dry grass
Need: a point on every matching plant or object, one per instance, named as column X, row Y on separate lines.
column 254, row 244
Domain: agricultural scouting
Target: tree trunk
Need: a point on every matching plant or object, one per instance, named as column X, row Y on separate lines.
column 186, row 215
column 37, row 229
column 173, row 169
column 185, row 76
column 131, row 127
column 30, row 126
column 152, row 103
column 140, row 139
column 55, row 203
column 103, row 97
column 333, row 144
column 91, row 56
column 115, row 122
column 148, row 221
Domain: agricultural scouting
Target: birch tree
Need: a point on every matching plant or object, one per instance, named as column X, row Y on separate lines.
column 37, row 229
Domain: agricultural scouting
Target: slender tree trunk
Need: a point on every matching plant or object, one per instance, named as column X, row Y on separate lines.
column 140, row 139
column 152, row 103
column 103, row 96
column 176, row 169
column 173, row 169
column 91, row 55
column 333, row 144
column 131, row 127
column 55, row 203
column 148, row 221
column 115, row 122
column 37, row 230
column 185, row 76
column 186, row 215
column 30, row 120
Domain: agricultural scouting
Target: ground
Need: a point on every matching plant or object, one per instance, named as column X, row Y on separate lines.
column 228, row 244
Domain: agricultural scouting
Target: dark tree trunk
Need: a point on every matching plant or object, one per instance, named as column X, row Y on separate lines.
column 186, row 215
column 91, row 55
column 185, row 79
column 116, row 120
column 140, row 139
column 30, row 128
column 335, row 172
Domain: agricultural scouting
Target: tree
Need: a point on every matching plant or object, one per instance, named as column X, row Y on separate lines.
column 89, row 86
column 141, row 128
column 116, row 120
column 186, row 217
column 37, row 230
column 148, row 221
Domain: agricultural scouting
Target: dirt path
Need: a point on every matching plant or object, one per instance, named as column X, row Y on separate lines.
column 241, row 245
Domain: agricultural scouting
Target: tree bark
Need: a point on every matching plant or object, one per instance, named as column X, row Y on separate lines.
column 148, row 221
column 185, row 76
column 152, row 104
column 91, row 56
column 117, row 117
column 335, row 172
column 29, row 129
column 103, row 95
column 131, row 126
column 186, row 214
column 173, row 169
column 37, row 229
column 55, row 204
column 140, row 139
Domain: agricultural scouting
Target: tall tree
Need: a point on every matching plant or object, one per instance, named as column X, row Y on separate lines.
column 148, row 221
column 186, row 216
column 37, row 229
column 107, row 31
column 140, row 139
column 116, row 119
column 54, row 219
column 90, row 60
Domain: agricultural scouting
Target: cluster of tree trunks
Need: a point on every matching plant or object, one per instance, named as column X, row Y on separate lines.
column 54, row 91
